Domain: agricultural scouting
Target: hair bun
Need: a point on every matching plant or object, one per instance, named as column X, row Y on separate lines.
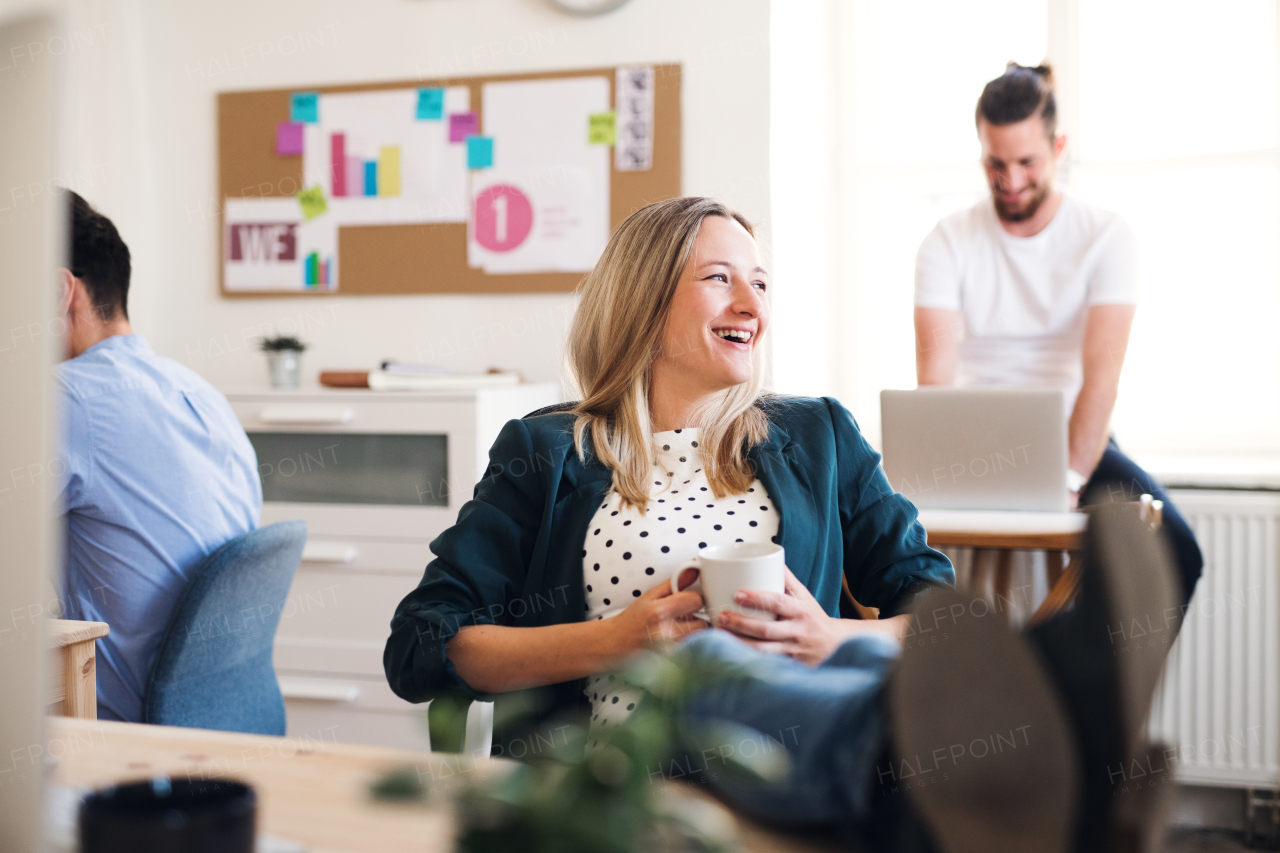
column 1044, row 71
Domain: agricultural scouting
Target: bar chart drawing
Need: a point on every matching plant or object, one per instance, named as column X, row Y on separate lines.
column 317, row 273
column 353, row 176
column 381, row 162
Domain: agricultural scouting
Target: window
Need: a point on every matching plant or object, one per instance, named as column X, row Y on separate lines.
column 1172, row 111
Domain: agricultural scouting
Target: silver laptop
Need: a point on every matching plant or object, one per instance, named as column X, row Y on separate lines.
column 976, row 448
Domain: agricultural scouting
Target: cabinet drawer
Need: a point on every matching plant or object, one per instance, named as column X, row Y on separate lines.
column 340, row 710
column 401, row 523
column 364, row 694
column 337, row 621
column 353, row 555
column 379, row 414
column 353, row 725
column 330, row 657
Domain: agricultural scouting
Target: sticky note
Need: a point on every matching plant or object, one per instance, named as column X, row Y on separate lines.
column 430, row 104
column 304, row 106
column 288, row 138
column 462, row 125
column 602, row 128
column 389, row 170
column 371, row 177
column 312, row 201
column 479, row 152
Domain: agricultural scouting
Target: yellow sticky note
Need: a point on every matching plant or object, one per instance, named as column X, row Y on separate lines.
column 602, row 128
column 389, row 170
column 312, row 201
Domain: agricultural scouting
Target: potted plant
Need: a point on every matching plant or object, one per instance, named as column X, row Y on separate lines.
column 601, row 800
column 284, row 360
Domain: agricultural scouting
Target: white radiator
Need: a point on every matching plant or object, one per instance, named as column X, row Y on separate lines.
column 1219, row 703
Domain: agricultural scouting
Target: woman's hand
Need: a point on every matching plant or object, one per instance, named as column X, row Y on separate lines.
column 499, row 658
column 657, row 615
column 803, row 630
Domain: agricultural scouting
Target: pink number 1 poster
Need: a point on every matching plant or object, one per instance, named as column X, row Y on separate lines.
column 543, row 205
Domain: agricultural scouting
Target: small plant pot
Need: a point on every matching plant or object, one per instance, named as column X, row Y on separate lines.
column 285, row 368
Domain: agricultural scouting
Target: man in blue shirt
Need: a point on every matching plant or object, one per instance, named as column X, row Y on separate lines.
column 159, row 472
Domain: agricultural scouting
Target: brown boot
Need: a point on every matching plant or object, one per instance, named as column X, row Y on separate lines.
column 981, row 742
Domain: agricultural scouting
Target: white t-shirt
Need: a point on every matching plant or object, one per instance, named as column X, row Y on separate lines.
column 1024, row 300
column 626, row 552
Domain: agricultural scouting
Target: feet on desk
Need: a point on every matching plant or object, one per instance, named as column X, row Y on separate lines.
column 1027, row 742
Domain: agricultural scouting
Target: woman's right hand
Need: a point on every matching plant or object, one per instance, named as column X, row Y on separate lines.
column 657, row 615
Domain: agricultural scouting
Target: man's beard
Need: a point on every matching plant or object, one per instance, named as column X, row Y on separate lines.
column 1024, row 211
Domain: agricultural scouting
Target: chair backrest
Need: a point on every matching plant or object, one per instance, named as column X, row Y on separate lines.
column 213, row 669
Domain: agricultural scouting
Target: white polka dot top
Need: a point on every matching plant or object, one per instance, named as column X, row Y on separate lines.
column 627, row 552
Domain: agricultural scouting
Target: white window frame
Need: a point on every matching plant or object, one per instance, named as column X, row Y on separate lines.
column 851, row 379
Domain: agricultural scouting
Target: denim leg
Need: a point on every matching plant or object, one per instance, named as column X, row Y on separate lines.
column 829, row 720
column 1118, row 478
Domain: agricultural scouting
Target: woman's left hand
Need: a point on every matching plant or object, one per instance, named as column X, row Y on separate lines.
column 803, row 629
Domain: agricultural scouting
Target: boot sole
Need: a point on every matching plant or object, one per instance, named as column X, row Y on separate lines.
column 1140, row 588
column 983, row 746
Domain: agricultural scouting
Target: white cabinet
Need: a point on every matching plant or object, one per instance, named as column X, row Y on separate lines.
column 376, row 476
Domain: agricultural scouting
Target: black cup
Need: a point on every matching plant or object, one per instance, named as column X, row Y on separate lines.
column 167, row 815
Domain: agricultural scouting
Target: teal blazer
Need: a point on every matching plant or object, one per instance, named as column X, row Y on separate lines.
column 514, row 557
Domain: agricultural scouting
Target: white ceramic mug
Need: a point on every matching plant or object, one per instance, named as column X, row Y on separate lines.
column 723, row 570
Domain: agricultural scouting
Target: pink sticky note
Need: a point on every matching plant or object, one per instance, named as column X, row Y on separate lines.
column 462, row 125
column 289, row 137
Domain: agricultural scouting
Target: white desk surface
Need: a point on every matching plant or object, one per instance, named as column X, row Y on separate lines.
column 1001, row 521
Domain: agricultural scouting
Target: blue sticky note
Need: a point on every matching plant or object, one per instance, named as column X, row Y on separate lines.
column 305, row 107
column 371, row 177
column 479, row 152
column 430, row 104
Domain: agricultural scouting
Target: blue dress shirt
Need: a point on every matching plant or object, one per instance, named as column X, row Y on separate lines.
column 159, row 474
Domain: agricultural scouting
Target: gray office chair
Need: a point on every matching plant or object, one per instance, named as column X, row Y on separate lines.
column 214, row 669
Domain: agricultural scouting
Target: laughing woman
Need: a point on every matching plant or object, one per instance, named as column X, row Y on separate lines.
column 559, row 567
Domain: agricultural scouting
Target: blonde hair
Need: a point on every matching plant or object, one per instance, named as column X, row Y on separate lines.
column 616, row 336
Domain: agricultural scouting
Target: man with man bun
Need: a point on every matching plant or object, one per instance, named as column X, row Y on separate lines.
column 1035, row 287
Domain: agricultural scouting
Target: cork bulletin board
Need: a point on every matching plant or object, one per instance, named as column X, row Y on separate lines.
column 432, row 257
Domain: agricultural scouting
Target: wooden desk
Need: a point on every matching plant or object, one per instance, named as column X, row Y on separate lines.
column 997, row 534
column 962, row 528
column 310, row 789
column 73, row 682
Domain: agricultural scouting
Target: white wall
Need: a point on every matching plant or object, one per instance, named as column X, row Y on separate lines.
column 30, row 244
column 147, row 74
column 805, row 173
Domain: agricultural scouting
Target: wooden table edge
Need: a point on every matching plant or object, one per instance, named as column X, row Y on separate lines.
column 66, row 632
column 1057, row 541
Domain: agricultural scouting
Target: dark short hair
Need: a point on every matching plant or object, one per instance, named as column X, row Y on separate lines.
column 99, row 258
column 1021, row 92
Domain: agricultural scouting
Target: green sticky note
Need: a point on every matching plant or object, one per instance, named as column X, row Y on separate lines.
column 602, row 128
column 312, row 201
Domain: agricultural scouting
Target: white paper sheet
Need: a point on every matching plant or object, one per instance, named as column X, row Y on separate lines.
column 633, row 151
column 433, row 170
column 541, row 153
column 266, row 242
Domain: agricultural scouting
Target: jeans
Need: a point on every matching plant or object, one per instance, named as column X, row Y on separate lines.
column 830, row 721
column 1117, row 478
